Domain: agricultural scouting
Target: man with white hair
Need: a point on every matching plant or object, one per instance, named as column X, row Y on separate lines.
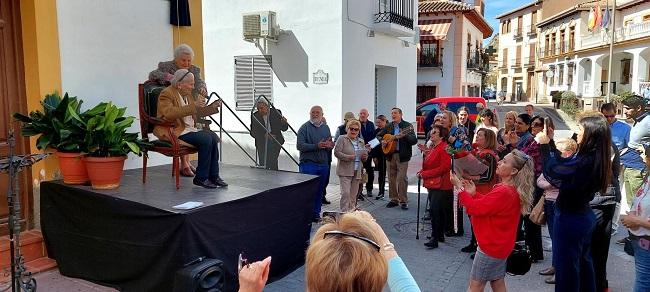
column 315, row 145
column 175, row 105
column 267, row 126
column 183, row 56
column 368, row 134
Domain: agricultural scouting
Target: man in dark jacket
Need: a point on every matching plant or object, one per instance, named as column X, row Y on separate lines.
column 398, row 160
column 368, row 133
column 267, row 127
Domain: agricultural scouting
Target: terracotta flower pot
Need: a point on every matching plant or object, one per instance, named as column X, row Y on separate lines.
column 105, row 172
column 73, row 168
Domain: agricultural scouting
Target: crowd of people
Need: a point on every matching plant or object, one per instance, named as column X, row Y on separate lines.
column 580, row 183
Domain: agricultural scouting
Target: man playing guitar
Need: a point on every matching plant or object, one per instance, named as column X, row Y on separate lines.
column 402, row 135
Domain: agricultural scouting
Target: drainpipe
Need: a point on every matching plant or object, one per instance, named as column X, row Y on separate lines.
column 611, row 51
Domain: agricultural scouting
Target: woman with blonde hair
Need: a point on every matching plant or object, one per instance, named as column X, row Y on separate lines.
column 508, row 126
column 352, row 253
column 348, row 253
column 495, row 218
column 351, row 152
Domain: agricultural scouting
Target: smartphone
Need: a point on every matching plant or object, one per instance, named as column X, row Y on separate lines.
column 332, row 214
column 547, row 122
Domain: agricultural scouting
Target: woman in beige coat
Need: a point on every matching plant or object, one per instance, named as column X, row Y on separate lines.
column 351, row 152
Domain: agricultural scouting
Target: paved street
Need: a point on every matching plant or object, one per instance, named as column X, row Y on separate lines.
column 442, row 269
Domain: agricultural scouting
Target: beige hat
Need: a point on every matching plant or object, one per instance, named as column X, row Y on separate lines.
column 348, row 116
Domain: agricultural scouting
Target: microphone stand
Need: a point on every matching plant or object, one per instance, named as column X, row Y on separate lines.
column 21, row 279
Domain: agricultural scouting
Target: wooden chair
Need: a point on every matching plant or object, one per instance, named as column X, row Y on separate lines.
column 148, row 103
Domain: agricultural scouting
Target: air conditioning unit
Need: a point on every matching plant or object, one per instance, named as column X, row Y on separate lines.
column 258, row 25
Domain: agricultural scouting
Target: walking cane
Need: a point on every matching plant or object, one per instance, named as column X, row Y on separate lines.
column 417, row 225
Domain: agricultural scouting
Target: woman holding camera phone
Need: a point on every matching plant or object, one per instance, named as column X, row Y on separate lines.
column 508, row 126
column 351, row 152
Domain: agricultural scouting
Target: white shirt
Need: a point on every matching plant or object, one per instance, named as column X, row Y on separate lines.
column 641, row 205
column 188, row 120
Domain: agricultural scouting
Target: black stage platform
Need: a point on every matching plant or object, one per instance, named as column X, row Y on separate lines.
column 132, row 239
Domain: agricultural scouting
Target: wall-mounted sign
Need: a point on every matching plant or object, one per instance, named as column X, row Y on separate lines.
column 321, row 77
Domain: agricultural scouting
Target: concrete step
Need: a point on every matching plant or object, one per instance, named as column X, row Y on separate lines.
column 32, row 248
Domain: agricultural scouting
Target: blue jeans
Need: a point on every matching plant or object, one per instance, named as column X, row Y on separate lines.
column 642, row 267
column 549, row 211
column 207, row 143
column 574, row 270
column 322, row 171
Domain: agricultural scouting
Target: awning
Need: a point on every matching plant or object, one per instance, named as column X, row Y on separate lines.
column 434, row 29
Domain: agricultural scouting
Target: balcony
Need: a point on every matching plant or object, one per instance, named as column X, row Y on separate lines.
column 395, row 17
column 518, row 34
column 428, row 59
column 532, row 31
column 630, row 32
column 515, row 63
column 474, row 61
column 529, row 62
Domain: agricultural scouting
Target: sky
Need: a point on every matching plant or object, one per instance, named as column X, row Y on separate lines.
column 496, row 7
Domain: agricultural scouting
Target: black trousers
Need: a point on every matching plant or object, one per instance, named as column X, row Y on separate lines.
column 534, row 232
column 381, row 169
column 448, row 205
column 268, row 155
column 600, row 243
column 437, row 212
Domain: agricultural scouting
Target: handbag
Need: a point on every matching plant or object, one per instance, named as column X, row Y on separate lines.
column 537, row 214
column 519, row 261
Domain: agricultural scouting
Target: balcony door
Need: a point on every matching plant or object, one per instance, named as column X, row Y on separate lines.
column 12, row 99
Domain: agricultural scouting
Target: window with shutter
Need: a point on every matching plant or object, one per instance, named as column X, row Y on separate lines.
column 253, row 78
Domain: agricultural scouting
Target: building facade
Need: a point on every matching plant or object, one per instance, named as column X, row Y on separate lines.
column 362, row 53
column 516, row 79
column 449, row 61
column 576, row 58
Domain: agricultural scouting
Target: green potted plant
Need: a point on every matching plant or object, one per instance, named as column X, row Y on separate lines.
column 108, row 144
column 61, row 129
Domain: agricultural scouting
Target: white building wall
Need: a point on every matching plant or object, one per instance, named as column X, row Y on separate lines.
column 361, row 54
column 311, row 40
column 470, row 77
column 428, row 76
column 104, row 56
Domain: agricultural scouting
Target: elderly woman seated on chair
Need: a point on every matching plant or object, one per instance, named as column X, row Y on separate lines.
column 175, row 104
column 183, row 55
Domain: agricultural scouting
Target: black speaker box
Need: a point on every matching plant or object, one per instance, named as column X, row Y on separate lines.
column 201, row 275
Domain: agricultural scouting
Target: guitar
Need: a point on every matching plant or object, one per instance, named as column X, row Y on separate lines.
column 391, row 140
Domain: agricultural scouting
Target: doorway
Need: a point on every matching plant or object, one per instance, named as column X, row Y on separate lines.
column 12, row 99
column 385, row 89
column 519, row 90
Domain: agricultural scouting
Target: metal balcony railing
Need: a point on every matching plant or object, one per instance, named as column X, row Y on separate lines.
column 399, row 12
column 428, row 59
column 628, row 32
column 516, row 62
column 532, row 31
column 518, row 33
column 474, row 60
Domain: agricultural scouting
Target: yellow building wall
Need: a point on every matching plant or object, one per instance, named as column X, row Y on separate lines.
column 192, row 35
column 42, row 64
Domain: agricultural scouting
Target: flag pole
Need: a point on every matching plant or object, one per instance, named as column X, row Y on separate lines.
column 612, row 32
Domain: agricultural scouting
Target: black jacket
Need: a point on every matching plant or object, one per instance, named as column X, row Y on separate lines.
column 405, row 144
column 258, row 130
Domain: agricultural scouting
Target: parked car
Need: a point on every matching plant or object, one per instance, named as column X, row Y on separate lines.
column 489, row 94
column 453, row 104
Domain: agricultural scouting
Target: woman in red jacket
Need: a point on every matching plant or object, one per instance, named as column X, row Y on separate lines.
column 435, row 173
column 495, row 217
column 485, row 151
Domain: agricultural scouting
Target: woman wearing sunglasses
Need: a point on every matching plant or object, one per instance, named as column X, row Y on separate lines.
column 351, row 153
column 349, row 253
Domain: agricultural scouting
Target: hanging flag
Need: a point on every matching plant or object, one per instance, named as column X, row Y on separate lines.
column 592, row 20
column 606, row 18
column 598, row 16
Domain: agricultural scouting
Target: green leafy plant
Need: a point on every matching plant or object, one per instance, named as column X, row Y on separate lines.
column 569, row 103
column 619, row 98
column 59, row 124
column 106, row 134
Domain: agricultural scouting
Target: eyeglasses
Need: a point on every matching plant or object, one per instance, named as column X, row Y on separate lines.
column 354, row 129
column 345, row 234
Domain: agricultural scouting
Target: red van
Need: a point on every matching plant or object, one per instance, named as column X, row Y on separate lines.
column 453, row 104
